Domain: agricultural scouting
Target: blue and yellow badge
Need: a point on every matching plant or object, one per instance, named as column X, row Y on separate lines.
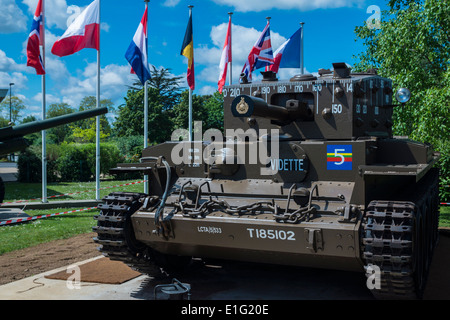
column 339, row 157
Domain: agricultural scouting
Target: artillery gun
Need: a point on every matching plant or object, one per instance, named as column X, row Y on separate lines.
column 332, row 188
column 12, row 137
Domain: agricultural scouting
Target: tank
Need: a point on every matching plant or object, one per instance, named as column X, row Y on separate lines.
column 12, row 137
column 308, row 173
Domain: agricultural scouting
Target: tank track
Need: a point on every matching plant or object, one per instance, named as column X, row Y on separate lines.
column 399, row 237
column 115, row 233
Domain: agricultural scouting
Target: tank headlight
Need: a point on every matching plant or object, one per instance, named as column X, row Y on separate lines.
column 403, row 95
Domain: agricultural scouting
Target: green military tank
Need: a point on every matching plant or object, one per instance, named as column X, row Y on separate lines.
column 307, row 173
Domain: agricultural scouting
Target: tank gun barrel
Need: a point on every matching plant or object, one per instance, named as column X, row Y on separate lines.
column 11, row 138
column 21, row 130
column 248, row 106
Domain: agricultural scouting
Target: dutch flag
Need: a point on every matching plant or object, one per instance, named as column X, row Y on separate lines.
column 137, row 55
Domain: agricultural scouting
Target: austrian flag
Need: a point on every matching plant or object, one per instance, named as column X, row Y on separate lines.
column 225, row 59
column 35, row 40
column 84, row 32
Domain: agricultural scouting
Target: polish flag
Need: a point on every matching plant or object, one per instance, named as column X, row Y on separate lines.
column 84, row 32
column 226, row 57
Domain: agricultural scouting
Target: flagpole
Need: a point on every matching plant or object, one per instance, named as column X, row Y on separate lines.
column 190, row 91
column 44, row 139
column 268, row 22
column 230, row 63
column 302, row 70
column 146, row 104
column 97, row 142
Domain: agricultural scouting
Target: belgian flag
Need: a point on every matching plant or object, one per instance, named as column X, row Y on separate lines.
column 187, row 50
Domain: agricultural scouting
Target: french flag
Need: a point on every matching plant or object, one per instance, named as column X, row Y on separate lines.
column 261, row 54
column 84, row 32
column 288, row 54
column 137, row 55
column 35, row 40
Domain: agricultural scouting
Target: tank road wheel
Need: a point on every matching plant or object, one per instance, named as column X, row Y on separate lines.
column 115, row 233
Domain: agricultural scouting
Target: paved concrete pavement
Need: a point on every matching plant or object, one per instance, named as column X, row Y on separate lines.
column 40, row 288
column 227, row 281
column 8, row 171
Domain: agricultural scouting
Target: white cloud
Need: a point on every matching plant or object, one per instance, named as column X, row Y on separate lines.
column 10, row 71
column 49, row 98
column 105, row 27
column 205, row 90
column 19, row 80
column 257, row 5
column 12, row 19
column 56, row 17
column 171, row 3
column 6, row 63
column 114, row 80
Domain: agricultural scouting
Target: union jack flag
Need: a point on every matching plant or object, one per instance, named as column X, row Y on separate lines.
column 261, row 54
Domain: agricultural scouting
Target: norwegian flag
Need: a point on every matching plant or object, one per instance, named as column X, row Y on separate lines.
column 35, row 40
column 261, row 54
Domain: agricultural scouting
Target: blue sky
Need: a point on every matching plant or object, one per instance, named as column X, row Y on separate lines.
column 328, row 37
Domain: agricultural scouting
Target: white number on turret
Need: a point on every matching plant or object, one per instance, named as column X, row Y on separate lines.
column 336, row 108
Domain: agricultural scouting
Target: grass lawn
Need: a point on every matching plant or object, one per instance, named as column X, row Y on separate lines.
column 23, row 235
column 16, row 191
column 18, row 236
column 444, row 218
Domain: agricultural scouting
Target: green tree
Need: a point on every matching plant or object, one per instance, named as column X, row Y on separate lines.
column 214, row 109
column 130, row 118
column 181, row 111
column 59, row 134
column 33, row 138
column 165, row 84
column 163, row 96
column 413, row 48
column 208, row 109
column 14, row 108
column 84, row 131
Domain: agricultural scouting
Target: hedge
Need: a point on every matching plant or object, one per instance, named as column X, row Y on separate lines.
column 68, row 162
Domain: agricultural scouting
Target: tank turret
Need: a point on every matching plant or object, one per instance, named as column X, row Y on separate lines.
column 333, row 105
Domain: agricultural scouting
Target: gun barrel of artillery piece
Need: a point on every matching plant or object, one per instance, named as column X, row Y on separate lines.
column 13, row 132
column 248, row 106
